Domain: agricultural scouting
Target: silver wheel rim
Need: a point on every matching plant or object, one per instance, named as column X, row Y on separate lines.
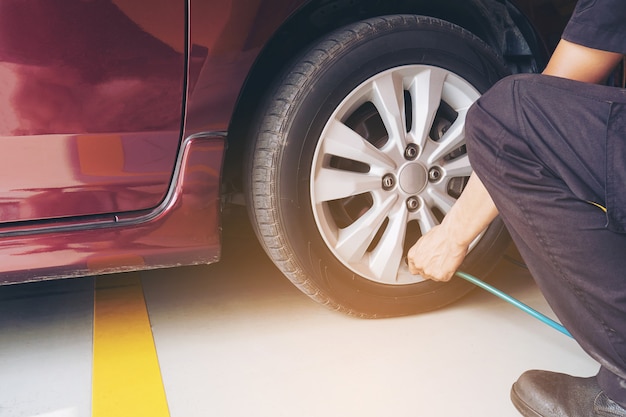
column 390, row 163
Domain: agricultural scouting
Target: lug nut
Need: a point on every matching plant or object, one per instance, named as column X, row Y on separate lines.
column 434, row 174
column 412, row 204
column 411, row 152
column 389, row 181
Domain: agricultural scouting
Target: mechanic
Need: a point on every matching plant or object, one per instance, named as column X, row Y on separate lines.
column 549, row 155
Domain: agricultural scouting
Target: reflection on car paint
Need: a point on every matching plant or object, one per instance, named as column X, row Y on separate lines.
column 184, row 231
column 92, row 174
column 79, row 75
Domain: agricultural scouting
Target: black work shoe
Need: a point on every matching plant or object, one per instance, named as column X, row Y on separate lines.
column 550, row 394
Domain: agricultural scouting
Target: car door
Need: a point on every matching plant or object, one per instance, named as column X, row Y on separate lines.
column 91, row 95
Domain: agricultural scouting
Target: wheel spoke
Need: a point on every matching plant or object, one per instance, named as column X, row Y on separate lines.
column 459, row 167
column 441, row 199
column 333, row 184
column 354, row 240
column 386, row 258
column 425, row 91
column 426, row 219
column 340, row 140
column 452, row 139
column 388, row 97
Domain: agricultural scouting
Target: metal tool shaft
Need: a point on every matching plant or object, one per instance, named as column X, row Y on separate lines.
column 514, row 302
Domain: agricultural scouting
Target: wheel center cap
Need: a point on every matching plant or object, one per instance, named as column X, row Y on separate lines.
column 413, row 178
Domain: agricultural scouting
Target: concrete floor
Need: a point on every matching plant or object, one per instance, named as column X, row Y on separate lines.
column 235, row 339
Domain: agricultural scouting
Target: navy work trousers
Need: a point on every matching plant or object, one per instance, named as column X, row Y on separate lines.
column 551, row 151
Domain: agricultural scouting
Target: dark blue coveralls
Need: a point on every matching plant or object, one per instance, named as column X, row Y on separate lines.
column 550, row 151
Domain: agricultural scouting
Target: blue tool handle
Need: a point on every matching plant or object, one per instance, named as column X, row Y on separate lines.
column 514, row 302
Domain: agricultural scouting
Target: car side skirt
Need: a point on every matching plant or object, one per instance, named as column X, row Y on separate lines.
column 183, row 230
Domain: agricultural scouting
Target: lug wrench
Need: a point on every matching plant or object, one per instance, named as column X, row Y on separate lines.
column 514, row 302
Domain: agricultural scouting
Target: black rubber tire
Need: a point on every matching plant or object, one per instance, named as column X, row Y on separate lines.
column 281, row 158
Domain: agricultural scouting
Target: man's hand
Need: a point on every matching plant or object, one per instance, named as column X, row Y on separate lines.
column 436, row 255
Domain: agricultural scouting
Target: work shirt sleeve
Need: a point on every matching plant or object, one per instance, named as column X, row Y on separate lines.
column 598, row 24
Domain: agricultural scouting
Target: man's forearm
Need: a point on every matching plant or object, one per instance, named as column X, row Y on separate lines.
column 471, row 214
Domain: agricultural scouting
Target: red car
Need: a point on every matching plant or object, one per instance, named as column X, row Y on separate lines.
column 127, row 125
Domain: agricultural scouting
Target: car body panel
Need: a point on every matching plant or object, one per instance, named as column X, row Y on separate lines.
column 183, row 230
column 225, row 41
column 91, row 106
column 58, row 176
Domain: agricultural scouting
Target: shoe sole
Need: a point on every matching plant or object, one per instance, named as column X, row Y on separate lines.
column 521, row 406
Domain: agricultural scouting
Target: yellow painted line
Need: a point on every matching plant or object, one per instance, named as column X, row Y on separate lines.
column 126, row 375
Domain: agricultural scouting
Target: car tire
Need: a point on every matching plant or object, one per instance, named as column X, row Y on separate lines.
column 360, row 150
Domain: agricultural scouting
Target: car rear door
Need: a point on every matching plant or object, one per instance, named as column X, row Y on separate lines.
column 91, row 95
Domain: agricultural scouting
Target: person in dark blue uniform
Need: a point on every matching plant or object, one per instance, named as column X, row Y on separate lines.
column 549, row 155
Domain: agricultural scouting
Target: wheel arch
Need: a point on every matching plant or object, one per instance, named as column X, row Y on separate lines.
column 497, row 22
